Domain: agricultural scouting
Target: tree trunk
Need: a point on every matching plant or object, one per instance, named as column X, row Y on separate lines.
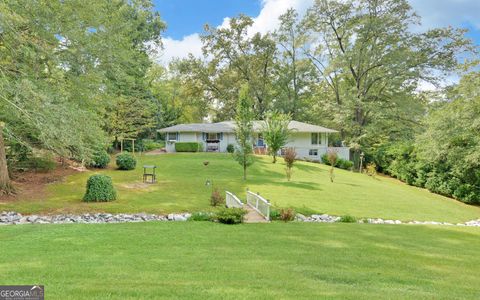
column 244, row 171
column 274, row 158
column 5, row 184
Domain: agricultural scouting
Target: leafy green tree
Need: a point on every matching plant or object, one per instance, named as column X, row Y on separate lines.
column 177, row 97
column 244, row 130
column 371, row 62
column 451, row 141
column 62, row 65
column 233, row 57
column 275, row 132
column 294, row 74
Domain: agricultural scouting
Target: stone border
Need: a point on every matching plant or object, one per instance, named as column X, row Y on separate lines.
column 14, row 218
column 332, row 219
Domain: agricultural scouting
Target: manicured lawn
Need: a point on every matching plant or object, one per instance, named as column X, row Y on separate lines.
column 181, row 187
column 204, row 260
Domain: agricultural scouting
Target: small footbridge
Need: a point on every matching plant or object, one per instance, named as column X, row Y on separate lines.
column 257, row 207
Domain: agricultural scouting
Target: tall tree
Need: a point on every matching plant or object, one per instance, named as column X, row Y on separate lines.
column 5, row 184
column 244, row 130
column 62, row 65
column 293, row 72
column 233, row 56
column 371, row 62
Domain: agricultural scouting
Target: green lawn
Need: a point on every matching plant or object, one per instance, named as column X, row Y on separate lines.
column 181, row 187
column 205, row 260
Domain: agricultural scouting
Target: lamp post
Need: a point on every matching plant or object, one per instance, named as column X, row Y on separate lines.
column 362, row 155
column 208, row 182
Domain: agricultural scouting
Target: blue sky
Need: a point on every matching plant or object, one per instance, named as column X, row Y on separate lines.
column 185, row 18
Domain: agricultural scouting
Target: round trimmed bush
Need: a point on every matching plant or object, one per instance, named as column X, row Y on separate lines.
column 100, row 189
column 126, row 161
column 101, row 159
column 230, row 148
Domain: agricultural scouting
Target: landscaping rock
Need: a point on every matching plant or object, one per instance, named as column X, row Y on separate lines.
column 179, row 218
column 11, row 218
column 301, row 218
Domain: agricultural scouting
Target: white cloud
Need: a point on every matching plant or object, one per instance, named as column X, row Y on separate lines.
column 440, row 13
column 434, row 13
column 180, row 48
column 267, row 20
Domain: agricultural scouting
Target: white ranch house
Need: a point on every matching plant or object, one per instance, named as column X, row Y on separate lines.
column 309, row 141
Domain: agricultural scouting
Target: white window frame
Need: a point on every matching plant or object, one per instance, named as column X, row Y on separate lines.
column 313, row 150
column 319, row 138
column 215, row 134
column 169, row 137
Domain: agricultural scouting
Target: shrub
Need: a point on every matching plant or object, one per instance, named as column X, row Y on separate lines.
column 289, row 157
column 324, row 159
column 201, row 216
column 101, row 159
column 126, row 161
column 274, row 214
column 345, row 164
column 332, row 157
column 467, row 193
column 216, row 198
column 188, row 147
column 339, row 163
column 230, row 148
column 347, row 219
column 230, row 215
column 371, row 170
column 287, row 214
column 149, row 145
column 100, row 189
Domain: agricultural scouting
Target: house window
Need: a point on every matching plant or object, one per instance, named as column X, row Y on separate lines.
column 260, row 141
column 315, row 138
column 172, row 136
column 212, row 136
column 313, row 152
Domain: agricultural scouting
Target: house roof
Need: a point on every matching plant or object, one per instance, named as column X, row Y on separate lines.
column 229, row 126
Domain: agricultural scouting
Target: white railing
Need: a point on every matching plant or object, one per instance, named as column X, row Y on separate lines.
column 232, row 201
column 258, row 203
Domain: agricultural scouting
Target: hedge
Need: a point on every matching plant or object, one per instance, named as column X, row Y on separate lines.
column 340, row 163
column 188, row 147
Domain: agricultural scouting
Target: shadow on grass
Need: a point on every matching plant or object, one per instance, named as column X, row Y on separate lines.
column 349, row 184
column 298, row 184
column 309, row 167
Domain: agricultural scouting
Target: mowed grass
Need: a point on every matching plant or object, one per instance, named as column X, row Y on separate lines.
column 181, row 187
column 204, row 260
